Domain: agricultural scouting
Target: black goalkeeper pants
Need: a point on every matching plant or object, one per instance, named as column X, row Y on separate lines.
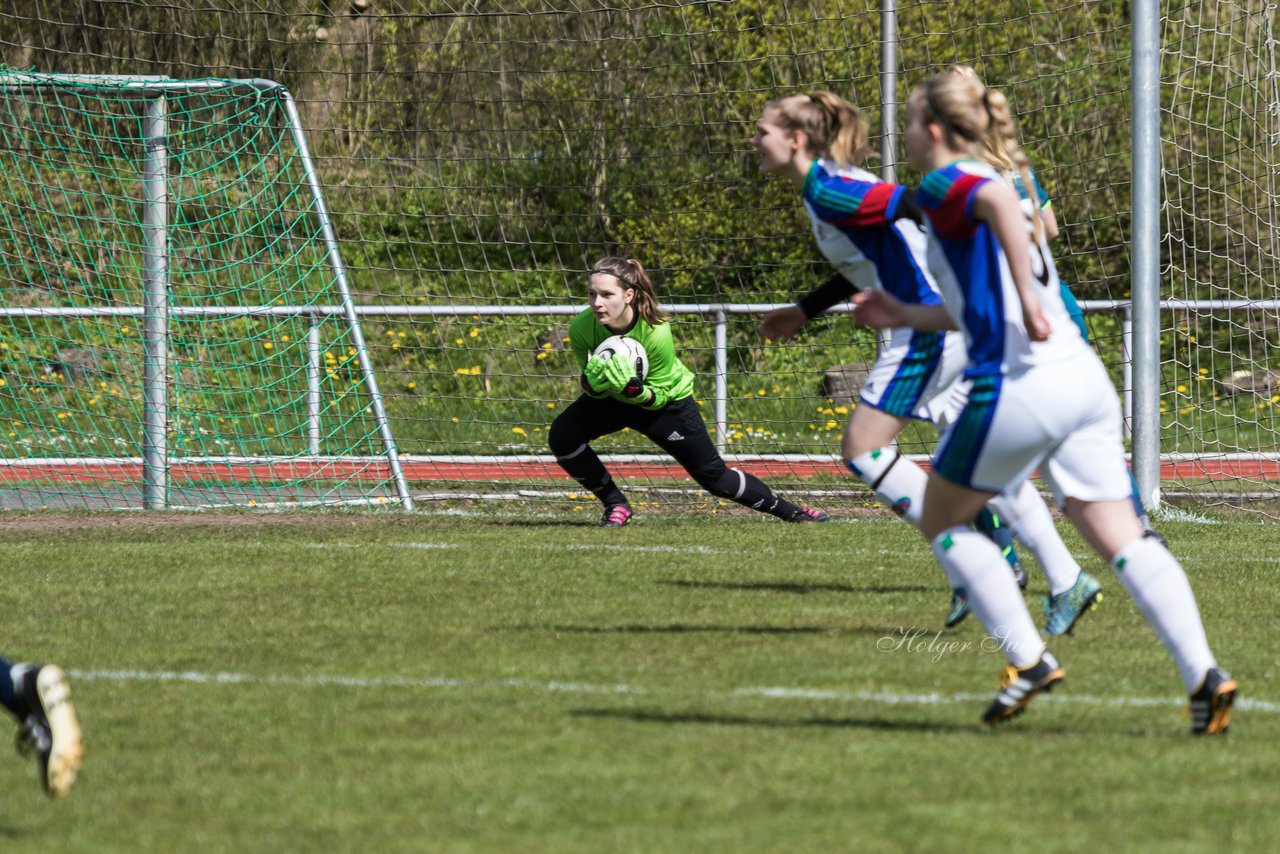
column 677, row 428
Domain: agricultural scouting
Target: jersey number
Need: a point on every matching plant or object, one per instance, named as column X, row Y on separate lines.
column 1039, row 264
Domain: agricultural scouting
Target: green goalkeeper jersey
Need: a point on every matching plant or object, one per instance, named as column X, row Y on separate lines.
column 668, row 377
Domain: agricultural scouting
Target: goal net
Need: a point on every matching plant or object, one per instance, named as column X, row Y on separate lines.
column 172, row 331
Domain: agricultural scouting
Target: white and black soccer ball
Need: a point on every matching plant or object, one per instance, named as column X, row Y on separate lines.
column 622, row 347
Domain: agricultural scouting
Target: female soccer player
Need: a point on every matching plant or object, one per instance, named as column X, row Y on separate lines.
column 40, row 698
column 871, row 232
column 659, row 405
column 1039, row 399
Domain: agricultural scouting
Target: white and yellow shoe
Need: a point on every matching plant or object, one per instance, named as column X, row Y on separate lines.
column 52, row 732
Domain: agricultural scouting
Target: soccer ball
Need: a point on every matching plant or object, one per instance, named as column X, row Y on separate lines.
column 620, row 346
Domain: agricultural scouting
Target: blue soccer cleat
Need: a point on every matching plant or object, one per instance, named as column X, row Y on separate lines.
column 1065, row 609
column 959, row 609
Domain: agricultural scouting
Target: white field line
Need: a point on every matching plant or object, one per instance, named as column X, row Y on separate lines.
column 774, row 693
column 589, row 547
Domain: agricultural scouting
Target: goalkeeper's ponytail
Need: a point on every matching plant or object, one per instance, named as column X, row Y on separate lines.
column 631, row 274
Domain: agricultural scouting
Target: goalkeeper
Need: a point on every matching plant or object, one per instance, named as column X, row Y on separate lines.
column 660, row 405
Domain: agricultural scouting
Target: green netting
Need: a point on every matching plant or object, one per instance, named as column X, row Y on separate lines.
column 260, row 406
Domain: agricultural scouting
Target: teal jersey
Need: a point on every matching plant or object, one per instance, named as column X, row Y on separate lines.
column 668, row 377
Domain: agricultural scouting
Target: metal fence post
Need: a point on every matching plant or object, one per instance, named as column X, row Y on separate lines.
column 313, row 384
column 722, row 379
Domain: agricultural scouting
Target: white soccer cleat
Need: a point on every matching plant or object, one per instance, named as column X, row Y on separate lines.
column 52, row 732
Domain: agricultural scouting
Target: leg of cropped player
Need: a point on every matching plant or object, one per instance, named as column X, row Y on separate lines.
column 39, row 697
column 647, row 389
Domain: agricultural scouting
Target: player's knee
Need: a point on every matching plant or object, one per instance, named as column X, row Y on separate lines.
column 726, row 483
column 874, row 465
column 563, row 438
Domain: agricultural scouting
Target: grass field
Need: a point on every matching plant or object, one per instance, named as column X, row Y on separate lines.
column 478, row 681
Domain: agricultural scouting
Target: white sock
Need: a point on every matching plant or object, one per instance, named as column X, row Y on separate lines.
column 1033, row 527
column 898, row 482
column 1159, row 586
column 976, row 563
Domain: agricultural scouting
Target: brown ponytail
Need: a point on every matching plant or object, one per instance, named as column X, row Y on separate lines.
column 631, row 274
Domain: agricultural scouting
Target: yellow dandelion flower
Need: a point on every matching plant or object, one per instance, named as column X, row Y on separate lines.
column 551, row 406
column 268, row 346
column 1182, row 388
column 454, row 420
column 412, row 386
column 842, row 410
column 519, row 431
column 389, row 333
column 473, row 333
column 541, row 356
column 831, row 425
column 400, row 335
column 760, row 392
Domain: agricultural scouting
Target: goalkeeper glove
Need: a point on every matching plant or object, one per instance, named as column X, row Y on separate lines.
column 593, row 376
column 621, row 375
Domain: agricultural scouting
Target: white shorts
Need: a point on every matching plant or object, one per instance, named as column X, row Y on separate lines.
column 916, row 374
column 1062, row 418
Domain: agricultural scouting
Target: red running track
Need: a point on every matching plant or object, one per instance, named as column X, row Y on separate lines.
column 427, row 470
